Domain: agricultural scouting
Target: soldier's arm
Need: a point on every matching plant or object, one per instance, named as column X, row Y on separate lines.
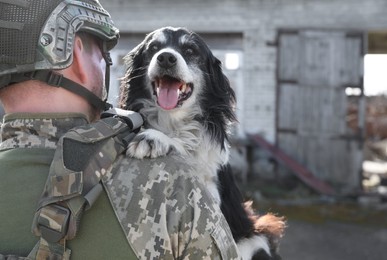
column 166, row 212
column 195, row 223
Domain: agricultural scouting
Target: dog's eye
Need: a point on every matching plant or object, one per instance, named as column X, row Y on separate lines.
column 189, row 51
column 154, row 47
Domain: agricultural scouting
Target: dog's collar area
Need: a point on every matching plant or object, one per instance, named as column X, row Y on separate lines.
column 171, row 92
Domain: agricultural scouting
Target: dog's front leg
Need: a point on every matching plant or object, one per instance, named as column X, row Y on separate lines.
column 152, row 143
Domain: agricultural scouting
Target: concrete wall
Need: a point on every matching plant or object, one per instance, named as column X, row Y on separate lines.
column 257, row 21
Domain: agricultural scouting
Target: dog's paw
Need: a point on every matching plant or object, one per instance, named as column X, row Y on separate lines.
column 149, row 144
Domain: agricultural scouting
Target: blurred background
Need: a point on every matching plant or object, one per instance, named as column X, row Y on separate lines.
column 311, row 84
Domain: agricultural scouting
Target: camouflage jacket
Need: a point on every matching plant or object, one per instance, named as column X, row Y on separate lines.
column 163, row 209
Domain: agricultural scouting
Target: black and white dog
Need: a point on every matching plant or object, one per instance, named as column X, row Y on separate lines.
column 178, row 86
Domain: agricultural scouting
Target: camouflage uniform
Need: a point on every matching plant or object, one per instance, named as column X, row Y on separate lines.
column 163, row 209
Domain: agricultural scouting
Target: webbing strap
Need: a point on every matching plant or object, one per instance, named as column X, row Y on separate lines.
column 57, row 80
column 52, row 251
column 43, row 250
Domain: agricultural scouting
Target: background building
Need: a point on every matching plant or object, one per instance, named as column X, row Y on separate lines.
column 296, row 66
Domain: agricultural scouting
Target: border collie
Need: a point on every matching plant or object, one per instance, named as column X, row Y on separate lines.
column 178, row 86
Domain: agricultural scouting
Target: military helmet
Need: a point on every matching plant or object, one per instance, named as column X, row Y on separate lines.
column 38, row 35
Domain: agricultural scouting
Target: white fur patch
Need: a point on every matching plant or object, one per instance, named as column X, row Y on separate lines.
column 160, row 37
column 249, row 246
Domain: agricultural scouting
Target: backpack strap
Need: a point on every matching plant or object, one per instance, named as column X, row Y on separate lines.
column 84, row 157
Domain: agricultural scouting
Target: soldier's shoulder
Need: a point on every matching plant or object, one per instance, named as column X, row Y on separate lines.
column 172, row 167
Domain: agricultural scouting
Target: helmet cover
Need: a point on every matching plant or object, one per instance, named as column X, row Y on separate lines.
column 39, row 34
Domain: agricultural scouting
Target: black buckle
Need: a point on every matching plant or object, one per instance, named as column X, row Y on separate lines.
column 108, row 58
column 48, row 76
column 106, row 54
column 31, row 74
column 54, row 79
column 46, row 231
column 107, row 105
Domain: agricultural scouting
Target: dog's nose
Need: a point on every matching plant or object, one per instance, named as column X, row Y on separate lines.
column 166, row 60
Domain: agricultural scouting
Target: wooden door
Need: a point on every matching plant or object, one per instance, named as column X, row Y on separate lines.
column 314, row 70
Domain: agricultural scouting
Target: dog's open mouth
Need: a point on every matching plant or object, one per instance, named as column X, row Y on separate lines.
column 171, row 92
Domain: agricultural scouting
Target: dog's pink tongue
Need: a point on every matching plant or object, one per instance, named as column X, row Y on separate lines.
column 168, row 95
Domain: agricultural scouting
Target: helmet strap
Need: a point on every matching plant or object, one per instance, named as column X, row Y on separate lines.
column 109, row 62
column 57, row 80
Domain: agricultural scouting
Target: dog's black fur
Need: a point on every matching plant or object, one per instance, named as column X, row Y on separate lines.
column 210, row 116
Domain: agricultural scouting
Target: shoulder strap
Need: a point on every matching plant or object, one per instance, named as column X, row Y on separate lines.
column 82, row 159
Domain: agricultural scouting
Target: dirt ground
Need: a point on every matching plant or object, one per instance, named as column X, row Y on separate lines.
column 332, row 230
column 333, row 241
column 325, row 228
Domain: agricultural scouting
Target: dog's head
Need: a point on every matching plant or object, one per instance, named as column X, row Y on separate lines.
column 175, row 70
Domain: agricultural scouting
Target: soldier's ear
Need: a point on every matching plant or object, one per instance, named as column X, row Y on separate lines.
column 79, row 66
column 77, row 71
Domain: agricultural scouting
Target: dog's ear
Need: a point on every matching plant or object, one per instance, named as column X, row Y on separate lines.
column 132, row 83
column 219, row 100
column 134, row 59
column 220, row 83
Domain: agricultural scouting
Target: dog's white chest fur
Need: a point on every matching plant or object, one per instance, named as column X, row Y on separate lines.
column 209, row 158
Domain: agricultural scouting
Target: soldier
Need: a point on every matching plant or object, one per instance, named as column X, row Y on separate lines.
column 54, row 64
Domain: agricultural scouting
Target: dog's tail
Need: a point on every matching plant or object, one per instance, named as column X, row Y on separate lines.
column 257, row 236
column 267, row 226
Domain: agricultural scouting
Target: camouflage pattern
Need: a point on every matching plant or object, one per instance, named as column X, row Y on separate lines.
column 37, row 130
column 71, row 186
column 53, row 217
column 43, row 250
column 50, row 251
column 66, row 181
column 166, row 212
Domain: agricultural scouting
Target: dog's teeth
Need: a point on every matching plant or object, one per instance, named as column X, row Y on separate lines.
column 183, row 88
